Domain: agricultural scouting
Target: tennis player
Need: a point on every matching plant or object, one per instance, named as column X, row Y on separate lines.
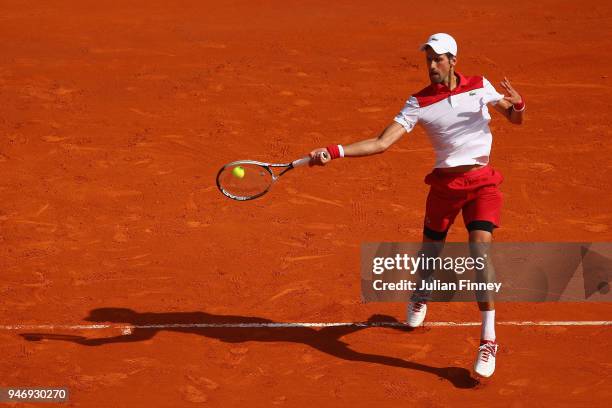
column 453, row 111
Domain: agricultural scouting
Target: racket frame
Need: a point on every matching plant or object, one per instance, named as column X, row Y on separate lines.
column 268, row 167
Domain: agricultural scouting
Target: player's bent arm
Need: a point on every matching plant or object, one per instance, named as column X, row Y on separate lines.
column 506, row 108
column 390, row 135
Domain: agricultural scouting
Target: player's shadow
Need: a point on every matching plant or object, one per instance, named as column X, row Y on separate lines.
column 326, row 339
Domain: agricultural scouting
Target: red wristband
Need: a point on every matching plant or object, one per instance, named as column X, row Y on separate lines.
column 518, row 107
column 334, row 151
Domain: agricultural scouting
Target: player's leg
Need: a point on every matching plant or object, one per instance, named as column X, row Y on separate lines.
column 481, row 216
column 441, row 209
column 417, row 308
column 480, row 239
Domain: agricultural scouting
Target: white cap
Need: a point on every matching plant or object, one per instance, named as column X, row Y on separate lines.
column 441, row 43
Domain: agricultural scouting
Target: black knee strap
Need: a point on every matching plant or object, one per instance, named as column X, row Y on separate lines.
column 435, row 235
column 481, row 226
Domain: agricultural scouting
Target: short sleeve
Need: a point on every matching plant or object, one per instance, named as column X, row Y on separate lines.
column 409, row 115
column 490, row 95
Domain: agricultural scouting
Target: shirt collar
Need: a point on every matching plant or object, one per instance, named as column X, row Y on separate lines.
column 441, row 88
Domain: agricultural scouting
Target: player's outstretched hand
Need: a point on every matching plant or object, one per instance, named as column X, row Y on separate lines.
column 319, row 157
column 513, row 96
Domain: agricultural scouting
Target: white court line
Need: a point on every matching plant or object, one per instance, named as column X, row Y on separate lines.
column 289, row 325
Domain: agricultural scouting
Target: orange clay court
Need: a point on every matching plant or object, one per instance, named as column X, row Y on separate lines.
column 116, row 118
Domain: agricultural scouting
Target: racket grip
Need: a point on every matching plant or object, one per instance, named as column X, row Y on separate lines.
column 301, row 162
column 305, row 160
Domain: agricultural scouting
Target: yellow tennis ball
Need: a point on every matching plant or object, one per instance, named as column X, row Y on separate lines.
column 238, row 171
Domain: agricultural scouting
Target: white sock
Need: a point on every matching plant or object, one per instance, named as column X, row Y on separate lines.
column 488, row 325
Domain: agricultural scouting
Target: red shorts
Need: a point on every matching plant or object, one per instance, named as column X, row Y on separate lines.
column 475, row 193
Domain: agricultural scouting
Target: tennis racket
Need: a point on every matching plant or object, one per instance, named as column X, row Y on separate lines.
column 248, row 179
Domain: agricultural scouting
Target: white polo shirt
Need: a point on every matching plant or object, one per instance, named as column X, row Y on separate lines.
column 457, row 121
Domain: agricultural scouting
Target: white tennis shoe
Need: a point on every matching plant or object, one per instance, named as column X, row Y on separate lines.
column 416, row 313
column 485, row 361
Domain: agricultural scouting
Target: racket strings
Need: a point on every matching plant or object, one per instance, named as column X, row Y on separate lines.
column 244, row 180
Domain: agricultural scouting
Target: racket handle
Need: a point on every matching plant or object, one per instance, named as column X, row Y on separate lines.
column 301, row 162
column 305, row 160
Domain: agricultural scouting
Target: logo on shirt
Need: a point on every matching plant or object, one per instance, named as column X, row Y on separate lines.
column 472, row 93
